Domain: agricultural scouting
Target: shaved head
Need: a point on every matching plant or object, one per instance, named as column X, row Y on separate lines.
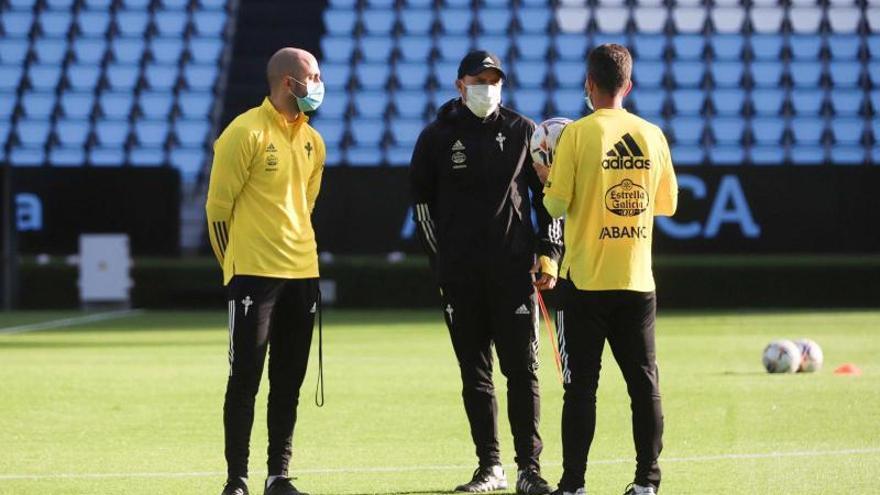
column 290, row 62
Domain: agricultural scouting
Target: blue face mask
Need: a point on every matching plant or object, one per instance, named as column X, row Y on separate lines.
column 588, row 100
column 313, row 98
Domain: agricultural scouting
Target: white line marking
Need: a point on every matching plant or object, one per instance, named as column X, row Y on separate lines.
column 69, row 322
column 402, row 469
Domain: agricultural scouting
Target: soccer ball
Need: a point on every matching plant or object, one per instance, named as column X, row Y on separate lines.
column 781, row 356
column 546, row 135
column 811, row 355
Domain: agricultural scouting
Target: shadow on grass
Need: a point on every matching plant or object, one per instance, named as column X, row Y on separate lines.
column 417, row 492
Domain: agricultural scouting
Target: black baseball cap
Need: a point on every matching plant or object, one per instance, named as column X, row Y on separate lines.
column 477, row 61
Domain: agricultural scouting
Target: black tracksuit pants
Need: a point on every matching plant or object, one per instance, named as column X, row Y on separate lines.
column 479, row 313
column 277, row 314
column 626, row 319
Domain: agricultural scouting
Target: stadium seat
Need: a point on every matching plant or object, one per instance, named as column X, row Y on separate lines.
column 847, row 131
column 376, row 49
column 38, row 105
column 166, row 50
column 151, row 133
column 805, row 46
column 650, row 20
column 335, row 76
column 805, row 19
column 33, row 132
column 191, row 133
column 808, row 155
column 335, row 108
column 89, row 51
column 370, row 103
column 495, row 43
column 649, row 74
column 767, row 101
column 132, row 23
column 398, row 156
column 200, row 77
column 156, row 104
column 27, row 156
column 688, row 46
column 766, row 74
column 417, row 21
column 170, row 23
column 7, row 107
column 77, row 105
column 569, row 74
column 405, row 132
column 410, row 104
column 412, row 75
column 364, row 156
column 572, row 19
column 367, row 131
column 649, row 47
column 83, row 77
column 569, row 103
column 146, row 156
column 727, row 155
column 103, row 156
column 337, row 48
column 332, row 130
column 844, row 19
column 209, row 23
column 845, row 74
column 16, row 24
column 13, row 51
column 847, row 155
column 874, row 99
column 650, row 101
column 55, row 24
column 50, row 50
column 533, row 21
column 93, row 24
column 494, row 20
column 807, row 131
column 44, row 77
column 611, row 20
column 767, row 155
column 728, row 20
column 687, row 130
column 455, row 21
column 686, row 74
column 205, row 50
column 161, row 77
column 372, row 76
column 340, row 22
column 689, row 154
column 188, row 160
column 116, row 105
column 728, row 131
column 689, row 19
column 727, row 74
column 571, row 46
column 618, row 38
column 453, row 48
column 72, row 132
column 768, row 131
column 727, row 47
column 378, row 22
column 688, row 101
column 844, row 47
column 805, row 74
column 67, row 156
column 532, row 47
column 807, row 102
column 445, row 72
column 127, row 50
column 766, row 46
column 10, row 76
column 728, row 102
column 531, row 102
column 415, row 48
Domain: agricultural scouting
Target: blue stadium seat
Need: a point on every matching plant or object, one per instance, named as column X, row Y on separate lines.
column 161, row 76
column 410, row 104
column 116, row 105
column 200, row 77
column 135, row 4
column 874, row 98
column 767, row 74
column 406, row 131
column 649, row 19
column 370, row 103
column 649, row 46
column 767, row 155
column 156, row 104
column 727, row 46
column 72, row 132
column 805, row 46
column 55, row 24
column 376, row 48
column 847, row 131
column 89, row 50
column 687, row 130
column 650, row 101
column 151, row 133
column 845, row 74
column 340, row 22
column 22, row 4
column 844, row 46
column 846, row 103
column 569, row 74
column 27, row 156
column 398, row 156
column 77, row 105
column 873, row 42
column 808, row 154
column 874, row 72
column 531, row 102
column 33, row 132
column 649, row 74
column 209, row 23
column 457, row 3
column 727, row 155
column 83, row 76
column 453, row 48
column 847, row 155
column 494, row 21
column 727, row 74
column 7, row 107
column 50, row 50
column 335, row 76
column 10, row 76
column 378, row 22
column 688, row 154
column 122, row 77
column 93, row 23
column 367, row 131
column 456, row 21
column 689, row 46
column 768, row 131
column 335, row 108
column 188, row 160
column 337, row 48
column 445, row 73
column 608, row 19
column 412, row 75
column 417, row 21
column 364, row 156
column 569, row 103
column 688, row 74
column 807, row 101
column 44, row 77
column 728, row 102
column 127, row 50
column 602, row 38
column 67, row 156
column 531, row 74
column 572, row 46
column 766, row 46
column 532, row 47
column 166, row 50
column 196, row 104
column 214, row 4
column 107, row 156
column 415, row 48
column 807, row 131
column 16, row 24
column 688, row 101
column 205, row 50
column 13, row 50
column 132, row 23
column 534, row 20
column 805, row 74
column 767, row 101
column 191, row 132
column 332, row 130
column 170, row 22
column 689, row 19
column 38, row 105
column 146, row 156
column 497, row 44
column 728, row 131
column 372, row 76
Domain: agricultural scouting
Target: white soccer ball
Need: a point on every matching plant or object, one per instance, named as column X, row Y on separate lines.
column 546, row 135
column 811, row 355
column 782, row 356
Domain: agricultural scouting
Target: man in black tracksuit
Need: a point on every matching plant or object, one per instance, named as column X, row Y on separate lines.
column 471, row 177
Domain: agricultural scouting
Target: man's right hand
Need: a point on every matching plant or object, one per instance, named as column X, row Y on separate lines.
column 542, row 170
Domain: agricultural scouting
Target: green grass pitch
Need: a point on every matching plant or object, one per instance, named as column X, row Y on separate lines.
column 133, row 406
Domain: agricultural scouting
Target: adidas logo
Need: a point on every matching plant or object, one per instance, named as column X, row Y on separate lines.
column 522, row 310
column 457, row 146
column 271, row 148
column 627, row 155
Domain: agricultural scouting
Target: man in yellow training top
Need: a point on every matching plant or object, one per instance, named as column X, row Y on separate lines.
column 611, row 175
column 264, row 182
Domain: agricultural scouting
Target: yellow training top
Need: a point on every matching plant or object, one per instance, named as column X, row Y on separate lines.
column 613, row 172
column 264, row 182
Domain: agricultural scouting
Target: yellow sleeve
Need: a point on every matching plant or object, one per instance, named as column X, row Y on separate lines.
column 233, row 153
column 560, row 182
column 667, row 189
column 314, row 186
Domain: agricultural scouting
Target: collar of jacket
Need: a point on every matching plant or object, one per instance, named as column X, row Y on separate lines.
column 275, row 116
column 455, row 110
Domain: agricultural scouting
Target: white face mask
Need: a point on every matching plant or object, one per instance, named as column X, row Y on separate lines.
column 588, row 100
column 483, row 99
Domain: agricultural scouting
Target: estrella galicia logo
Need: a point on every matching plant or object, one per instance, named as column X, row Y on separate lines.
column 626, row 199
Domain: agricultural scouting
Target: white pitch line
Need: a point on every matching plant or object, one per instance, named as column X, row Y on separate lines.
column 69, row 322
column 403, row 469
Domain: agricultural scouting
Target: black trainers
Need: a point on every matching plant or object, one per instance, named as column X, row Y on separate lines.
column 561, row 491
column 487, row 479
column 234, row 487
column 283, row 486
column 530, row 482
column 634, row 489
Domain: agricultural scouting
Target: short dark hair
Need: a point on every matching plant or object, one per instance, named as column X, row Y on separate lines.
column 610, row 66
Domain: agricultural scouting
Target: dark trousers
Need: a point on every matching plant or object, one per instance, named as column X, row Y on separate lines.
column 480, row 313
column 626, row 319
column 277, row 314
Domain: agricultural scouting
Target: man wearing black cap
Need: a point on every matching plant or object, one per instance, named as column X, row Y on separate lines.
column 471, row 179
